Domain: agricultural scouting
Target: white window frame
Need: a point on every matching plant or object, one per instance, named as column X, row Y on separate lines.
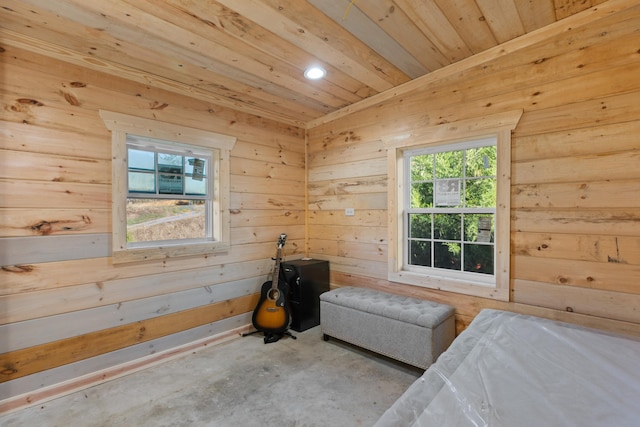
column 499, row 126
column 156, row 146
column 220, row 145
column 485, row 279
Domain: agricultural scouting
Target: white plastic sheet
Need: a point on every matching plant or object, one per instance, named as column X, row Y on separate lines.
column 513, row 370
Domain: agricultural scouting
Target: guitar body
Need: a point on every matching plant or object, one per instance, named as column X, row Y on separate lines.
column 271, row 315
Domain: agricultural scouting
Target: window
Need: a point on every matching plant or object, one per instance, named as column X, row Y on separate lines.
column 449, row 209
column 170, row 189
column 449, row 195
column 169, row 198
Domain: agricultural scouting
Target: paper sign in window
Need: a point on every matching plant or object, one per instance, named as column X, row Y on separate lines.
column 484, row 230
column 198, row 169
column 447, row 192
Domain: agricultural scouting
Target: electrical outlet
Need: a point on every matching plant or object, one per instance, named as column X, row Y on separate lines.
column 349, row 211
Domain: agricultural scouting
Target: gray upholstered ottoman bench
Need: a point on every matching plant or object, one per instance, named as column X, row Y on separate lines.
column 411, row 330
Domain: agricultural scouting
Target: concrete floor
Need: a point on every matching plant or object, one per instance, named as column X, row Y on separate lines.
column 244, row 382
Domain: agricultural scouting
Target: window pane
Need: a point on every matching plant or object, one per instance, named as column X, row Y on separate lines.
column 169, row 184
column 447, row 226
column 479, row 228
column 158, row 219
column 195, row 187
column 482, row 161
column 422, row 168
column 141, row 160
column 481, row 193
column 422, row 195
column 170, row 174
column 420, row 226
column 451, row 203
column 142, row 182
column 449, row 164
column 478, row 258
column 171, row 163
column 447, row 255
column 420, row 253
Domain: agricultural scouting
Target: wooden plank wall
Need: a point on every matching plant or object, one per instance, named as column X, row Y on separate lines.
column 575, row 238
column 65, row 309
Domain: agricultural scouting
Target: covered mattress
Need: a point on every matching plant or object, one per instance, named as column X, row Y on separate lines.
column 507, row 369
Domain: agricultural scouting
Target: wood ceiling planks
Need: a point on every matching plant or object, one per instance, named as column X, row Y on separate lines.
column 250, row 54
column 364, row 28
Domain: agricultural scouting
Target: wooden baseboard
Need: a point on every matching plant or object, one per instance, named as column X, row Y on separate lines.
column 45, row 394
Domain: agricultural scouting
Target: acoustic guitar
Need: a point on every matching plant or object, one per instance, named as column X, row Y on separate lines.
column 271, row 315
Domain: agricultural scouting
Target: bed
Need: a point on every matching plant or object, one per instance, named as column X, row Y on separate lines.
column 508, row 369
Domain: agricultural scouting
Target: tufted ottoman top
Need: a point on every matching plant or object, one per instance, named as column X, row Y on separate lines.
column 428, row 314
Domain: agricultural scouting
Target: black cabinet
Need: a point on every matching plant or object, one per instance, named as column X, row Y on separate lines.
column 307, row 279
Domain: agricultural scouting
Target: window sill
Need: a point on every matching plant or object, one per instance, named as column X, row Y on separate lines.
column 168, row 251
column 465, row 287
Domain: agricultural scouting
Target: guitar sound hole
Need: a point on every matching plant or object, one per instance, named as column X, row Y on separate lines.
column 273, row 294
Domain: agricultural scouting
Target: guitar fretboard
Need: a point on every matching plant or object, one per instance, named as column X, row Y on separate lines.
column 276, row 270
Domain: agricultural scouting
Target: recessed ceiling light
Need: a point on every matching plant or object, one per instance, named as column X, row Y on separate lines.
column 315, row 72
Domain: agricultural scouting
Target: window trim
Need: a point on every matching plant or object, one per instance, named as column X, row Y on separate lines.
column 122, row 124
column 499, row 126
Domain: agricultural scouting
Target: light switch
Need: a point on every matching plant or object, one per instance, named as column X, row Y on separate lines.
column 349, row 211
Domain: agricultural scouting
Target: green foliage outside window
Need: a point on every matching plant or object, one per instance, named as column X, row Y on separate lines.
column 451, row 215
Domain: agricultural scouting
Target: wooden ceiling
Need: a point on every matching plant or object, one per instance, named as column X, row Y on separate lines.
column 250, row 54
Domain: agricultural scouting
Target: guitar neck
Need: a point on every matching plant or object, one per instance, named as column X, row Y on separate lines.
column 276, row 270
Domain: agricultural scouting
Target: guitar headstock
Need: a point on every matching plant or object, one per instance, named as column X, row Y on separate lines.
column 281, row 240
